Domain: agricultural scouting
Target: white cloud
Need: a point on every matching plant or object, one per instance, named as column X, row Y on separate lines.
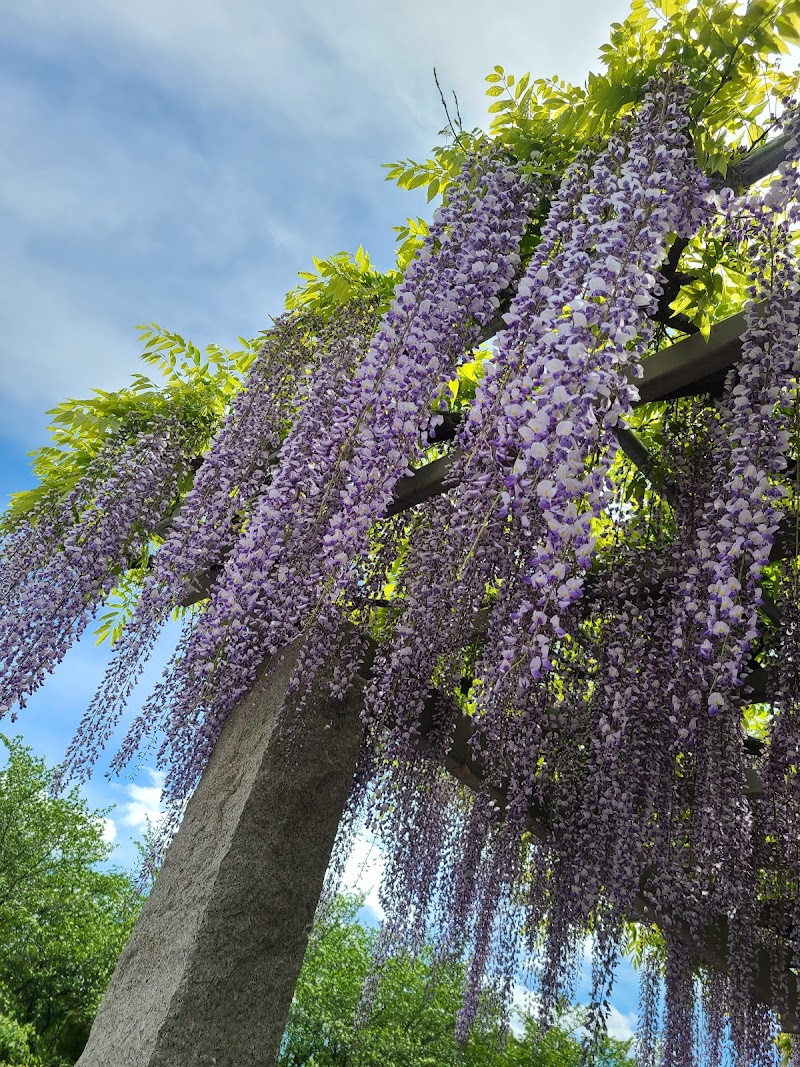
column 181, row 161
column 109, row 830
column 329, row 69
column 102, row 231
column 143, row 804
column 619, row 1025
column 523, row 1002
column 34, row 376
column 363, row 873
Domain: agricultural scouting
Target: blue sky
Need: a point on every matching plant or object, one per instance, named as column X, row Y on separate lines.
column 180, row 162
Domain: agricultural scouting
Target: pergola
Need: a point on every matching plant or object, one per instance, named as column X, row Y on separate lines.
column 209, row 972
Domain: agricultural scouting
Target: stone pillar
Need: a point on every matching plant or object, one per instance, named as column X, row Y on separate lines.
column 208, row 974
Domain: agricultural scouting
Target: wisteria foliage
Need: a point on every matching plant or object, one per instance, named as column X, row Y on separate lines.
column 591, row 660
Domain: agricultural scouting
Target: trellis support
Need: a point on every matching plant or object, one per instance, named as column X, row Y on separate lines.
column 208, row 974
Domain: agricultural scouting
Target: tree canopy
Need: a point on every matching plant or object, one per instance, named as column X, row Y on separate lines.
column 64, row 916
column 576, row 586
column 412, row 1022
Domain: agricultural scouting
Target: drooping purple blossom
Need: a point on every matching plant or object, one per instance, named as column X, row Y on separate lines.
column 233, row 472
column 352, row 441
column 76, row 550
column 565, row 352
column 593, row 690
column 622, row 739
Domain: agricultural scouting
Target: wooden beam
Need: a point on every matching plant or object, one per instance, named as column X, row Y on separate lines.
column 641, row 456
column 758, row 164
column 427, row 482
column 682, row 369
column 692, row 366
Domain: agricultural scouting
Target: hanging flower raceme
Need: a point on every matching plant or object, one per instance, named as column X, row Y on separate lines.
column 618, row 727
column 707, row 621
column 554, row 369
column 557, row 435
column 539, row 437
column 734, row 542
column 235, row 469
column 338, row 345
column 443, row 583
column 338, row 468
column 76, row 550
column 536, row 449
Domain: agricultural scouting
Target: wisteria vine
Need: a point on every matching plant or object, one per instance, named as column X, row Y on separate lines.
column 587, row 660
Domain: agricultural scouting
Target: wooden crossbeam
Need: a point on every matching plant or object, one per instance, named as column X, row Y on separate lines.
column 758, row 164
column 691, row 367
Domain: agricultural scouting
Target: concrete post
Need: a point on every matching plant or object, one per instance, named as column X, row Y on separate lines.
column 208, row 974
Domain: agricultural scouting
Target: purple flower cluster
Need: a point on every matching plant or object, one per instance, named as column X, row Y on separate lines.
column 538, row 440
column 234, row 470
column 736, row 534
column 189, row 706
column 66, row 557
column 589, row 688
column 582, row 325
column 499, row 551
column 589, row 698
column 366, row 418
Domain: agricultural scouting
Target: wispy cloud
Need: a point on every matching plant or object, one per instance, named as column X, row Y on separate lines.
column 523, row 1002
column 621, row 1025
column 329, row 69
column 142, row 806
column 109, row 830
column 182, row 161
column 105, row 227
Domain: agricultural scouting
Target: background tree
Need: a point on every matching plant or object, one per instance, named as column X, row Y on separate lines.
column 63, row 921
column 413, row 1017
column 63, row 924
